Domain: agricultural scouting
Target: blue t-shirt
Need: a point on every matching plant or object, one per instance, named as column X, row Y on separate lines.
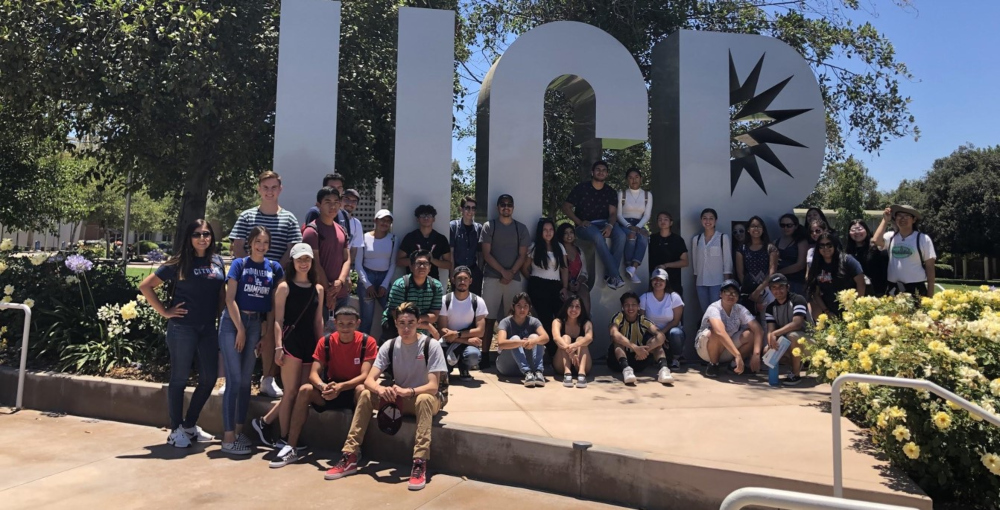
column 255, row 283
column 199, row 290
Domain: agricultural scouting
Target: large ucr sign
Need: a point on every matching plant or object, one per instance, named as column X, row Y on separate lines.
column 702, row 82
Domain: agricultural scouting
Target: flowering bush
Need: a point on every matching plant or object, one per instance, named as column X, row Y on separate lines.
column 86, row 316
column 952, row 340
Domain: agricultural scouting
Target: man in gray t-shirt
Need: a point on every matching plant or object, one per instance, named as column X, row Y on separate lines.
column 417, row 365
column 504, row 242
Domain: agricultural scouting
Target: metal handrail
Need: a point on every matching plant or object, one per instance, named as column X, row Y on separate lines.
column 24, row 349
column 901, row 382
column 775, row 498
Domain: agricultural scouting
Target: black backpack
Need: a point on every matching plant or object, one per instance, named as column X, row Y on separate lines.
column 442, row 393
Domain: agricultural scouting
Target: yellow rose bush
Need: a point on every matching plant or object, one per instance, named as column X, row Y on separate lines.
column 952, row 340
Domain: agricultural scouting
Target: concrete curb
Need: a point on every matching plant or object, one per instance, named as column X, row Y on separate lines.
column 623, row 477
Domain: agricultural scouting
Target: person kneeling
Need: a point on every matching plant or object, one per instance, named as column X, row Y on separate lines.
column 415, row 364
column 729, row 332
column 342, row 361
column 635, row 342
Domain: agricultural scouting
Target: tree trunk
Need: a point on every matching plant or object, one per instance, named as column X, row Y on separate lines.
column 193, row 201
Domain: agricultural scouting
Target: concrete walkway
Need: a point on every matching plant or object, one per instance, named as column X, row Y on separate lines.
column 733, row 423
column 60, row 461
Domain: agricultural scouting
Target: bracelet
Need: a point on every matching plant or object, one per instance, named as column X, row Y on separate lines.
column 279, row 348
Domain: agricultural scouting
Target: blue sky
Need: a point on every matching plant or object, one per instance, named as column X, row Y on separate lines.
column 952, row 49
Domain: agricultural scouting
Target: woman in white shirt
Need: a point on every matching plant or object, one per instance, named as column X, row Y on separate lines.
column 634, row 208
column 665, row 308
column 375, row 265
column 711, row 260
column 548, row 282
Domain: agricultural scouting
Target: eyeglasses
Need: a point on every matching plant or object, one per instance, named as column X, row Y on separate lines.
column 506, row 205
column 730, row 292
column 755, row 227
column 787, row 225
column 421, row 264
column 469, row 208
column 201, row 235
column 824, row 245
column 426, row 216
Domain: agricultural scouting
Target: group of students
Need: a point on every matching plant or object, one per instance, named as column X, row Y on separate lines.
column 290, row 284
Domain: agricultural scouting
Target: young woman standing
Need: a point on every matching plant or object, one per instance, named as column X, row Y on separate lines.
column 548, row 284
column 572, row 333
column 298, row 323
column 576, row 263
column 792, row 250
column 375, row 265
column 711, row 258
column 756, row 260
column 198, row 276
column 635, row 206
column 250, row 285
column 874, row 261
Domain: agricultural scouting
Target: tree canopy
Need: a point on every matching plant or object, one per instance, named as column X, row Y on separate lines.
column 961, row 201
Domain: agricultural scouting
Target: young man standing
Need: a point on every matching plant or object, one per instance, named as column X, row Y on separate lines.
column 911, row 252
column 592, row 205
column 729, row 332
column 329, row 241
column 667, row 251
column 787, row 316
column 463, row 236
column 635, row 341
column 355, row 232
column 425, row 238
column 341, row 364
column 418, row 289
column 417, row 366
column 462, row 324
column 284, row 229
column 335, row 181
column 504, row 243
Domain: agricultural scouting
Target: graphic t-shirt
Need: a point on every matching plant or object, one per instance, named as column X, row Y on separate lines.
column 436, row 243
column 523, row 330
column 329, row 242
column 505, row 243
column 829, row 283
column 255, row 283
column 199, row 290
column 663, row 250
column 409, row 368
column 284, row 229
column 734, row 321
column 660, row 313
column 590, row 203
column 345, row 359
column 636, row 331
column 904, row 258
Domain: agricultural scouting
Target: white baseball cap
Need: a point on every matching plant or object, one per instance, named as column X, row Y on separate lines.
column 383, row 213
column 301, row 250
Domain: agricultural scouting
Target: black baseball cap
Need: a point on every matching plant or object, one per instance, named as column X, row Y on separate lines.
column 777, row 279
column 504, row 197
column 390, row 418
column 730, row 283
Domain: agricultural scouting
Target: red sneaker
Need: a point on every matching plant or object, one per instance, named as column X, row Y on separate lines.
column 418, row 475
column 348, row 465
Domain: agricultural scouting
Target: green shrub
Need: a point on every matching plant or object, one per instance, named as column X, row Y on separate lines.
column 952, row 340
column 146, row 247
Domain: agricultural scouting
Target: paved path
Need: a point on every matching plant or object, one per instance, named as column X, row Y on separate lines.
column 60, row 461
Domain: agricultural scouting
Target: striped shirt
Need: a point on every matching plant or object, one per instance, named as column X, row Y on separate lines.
column 637, row 331
column 284, row 229
column 782, row 314
column 427, row 297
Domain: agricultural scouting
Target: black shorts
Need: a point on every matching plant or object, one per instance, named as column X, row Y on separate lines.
column 299, row 349
column 343, row 401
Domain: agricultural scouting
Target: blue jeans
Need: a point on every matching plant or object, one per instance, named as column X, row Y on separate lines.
column 239, row 367
column 611, row 258
column 708, row 294
column 366, row 303
column 675, row 339
column 635, row 249
column 514, row 362
column 183, row 342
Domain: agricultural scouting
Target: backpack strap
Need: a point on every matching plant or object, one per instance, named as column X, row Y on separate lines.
column 447, row 301
column 919, row 251
column 361, row 348
column 312, row 225
column 646, row 203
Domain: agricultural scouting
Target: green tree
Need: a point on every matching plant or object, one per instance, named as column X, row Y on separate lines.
column 850, row 190
column 463, row 184
column 908, row 192
column 962, row 202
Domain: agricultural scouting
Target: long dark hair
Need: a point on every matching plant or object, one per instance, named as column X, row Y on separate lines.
column 313, row 271
column 764, row 238
column 517, row 299
column 254, row 234
column 851, row 248
column 821, row 223
column 800, row 232
column 185, row 257
column 822, row 215
column 540, row 257
column 562, row 313
column 839, row 258
column 561, row 231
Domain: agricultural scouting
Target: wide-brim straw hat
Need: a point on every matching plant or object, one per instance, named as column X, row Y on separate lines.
column 909, row 209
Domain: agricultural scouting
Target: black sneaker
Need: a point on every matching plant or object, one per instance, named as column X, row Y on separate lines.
column 463, row 374
column 712, row 370
column 263, row 431
column 791, row 380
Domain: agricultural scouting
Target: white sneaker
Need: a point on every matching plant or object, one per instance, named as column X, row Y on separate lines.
column 628, row 375
column 286, row 456
column 581, row 381
column 568, row 380
column 664, row 376
column 270, row 388
column 178, row 438
column 197, row 435
column 631, row 273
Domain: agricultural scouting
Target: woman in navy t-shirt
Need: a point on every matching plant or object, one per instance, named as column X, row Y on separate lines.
column 249, row 288
column 198, row 275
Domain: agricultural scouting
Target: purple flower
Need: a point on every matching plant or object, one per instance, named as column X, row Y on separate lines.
column 156, row 256
column 78, row 264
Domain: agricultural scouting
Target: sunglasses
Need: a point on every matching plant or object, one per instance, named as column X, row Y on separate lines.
column 787, row 225
column 825, row 245
column 817, row 231
column 469, row 208
column 507, row 204
column 201, row 235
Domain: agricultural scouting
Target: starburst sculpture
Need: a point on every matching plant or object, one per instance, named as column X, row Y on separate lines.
column 752, row 125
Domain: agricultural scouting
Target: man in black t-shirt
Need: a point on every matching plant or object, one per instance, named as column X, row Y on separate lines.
column 592, row 205
column 668, row 251
column 426, row 238
column 787, row 316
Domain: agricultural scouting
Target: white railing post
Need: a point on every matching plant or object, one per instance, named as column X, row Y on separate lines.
column 24, row 349
column 900, row 382
column 788, row 500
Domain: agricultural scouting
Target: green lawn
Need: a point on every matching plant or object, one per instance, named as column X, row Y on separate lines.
column 139, row 272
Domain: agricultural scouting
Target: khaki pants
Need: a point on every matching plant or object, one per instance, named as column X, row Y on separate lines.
column 423, row 406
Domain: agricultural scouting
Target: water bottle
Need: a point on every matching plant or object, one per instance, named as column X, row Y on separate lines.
column 771, row 359
column 772, row 376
